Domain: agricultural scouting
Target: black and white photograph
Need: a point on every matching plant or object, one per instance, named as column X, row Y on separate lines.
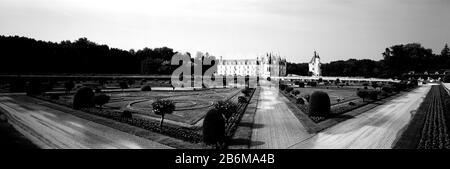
column 221, row 75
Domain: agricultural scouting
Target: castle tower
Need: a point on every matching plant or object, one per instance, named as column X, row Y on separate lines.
column 314, row 65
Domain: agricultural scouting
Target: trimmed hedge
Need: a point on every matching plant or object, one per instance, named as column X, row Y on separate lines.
column 289, row 89
column 213, row 128
column 172, row 131
column 242, row 99
column 320, row 104
column 83, row 98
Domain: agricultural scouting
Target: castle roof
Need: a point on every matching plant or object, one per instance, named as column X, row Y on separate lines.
column 314, row 57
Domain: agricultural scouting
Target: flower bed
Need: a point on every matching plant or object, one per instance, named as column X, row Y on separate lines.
column 232, row 123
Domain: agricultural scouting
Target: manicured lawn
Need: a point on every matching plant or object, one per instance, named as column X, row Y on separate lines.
column 191, row 106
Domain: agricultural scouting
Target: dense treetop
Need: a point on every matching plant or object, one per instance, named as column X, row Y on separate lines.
column 25, row 55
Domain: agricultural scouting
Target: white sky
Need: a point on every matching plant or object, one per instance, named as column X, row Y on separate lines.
column 337, row 29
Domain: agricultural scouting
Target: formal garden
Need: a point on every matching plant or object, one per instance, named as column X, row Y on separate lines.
column 322, row 101
column 193, row 116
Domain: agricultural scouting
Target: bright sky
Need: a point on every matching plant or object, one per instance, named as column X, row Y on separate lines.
column 337, row 29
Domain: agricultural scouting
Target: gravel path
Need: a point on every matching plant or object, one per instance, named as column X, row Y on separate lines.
column 49, row 128
column 275, row 126
column 375, row 129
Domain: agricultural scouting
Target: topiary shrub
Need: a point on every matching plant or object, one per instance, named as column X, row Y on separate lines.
column 126, row 114
column 300, row 101
column 242, row 99
column 83, row 98
column 362, row 94
column 163, row 107
column 313, row 84
column 246, row 91
column 100, row 100
column 320, row 104
column 282, row 86
column 214, row 128
column 295, row 92
column 289, row 89
column 146, row 88
column 227, row 108
column 123, row 85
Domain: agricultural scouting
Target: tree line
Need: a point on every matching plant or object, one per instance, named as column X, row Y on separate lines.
column 397, row 60
column 26, row 55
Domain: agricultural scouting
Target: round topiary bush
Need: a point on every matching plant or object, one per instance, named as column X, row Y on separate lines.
column 242, row 99
column 319, row 104
column 146, row 88
column 126, row 114
column 83, row 98
column 282, row 86
column 123, row 85
column 289, row 89
column 363, row 94
column 300, row 101
column 213, row 128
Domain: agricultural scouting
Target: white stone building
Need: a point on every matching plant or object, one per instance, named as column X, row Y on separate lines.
column 314, row 65
column 265, row 66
